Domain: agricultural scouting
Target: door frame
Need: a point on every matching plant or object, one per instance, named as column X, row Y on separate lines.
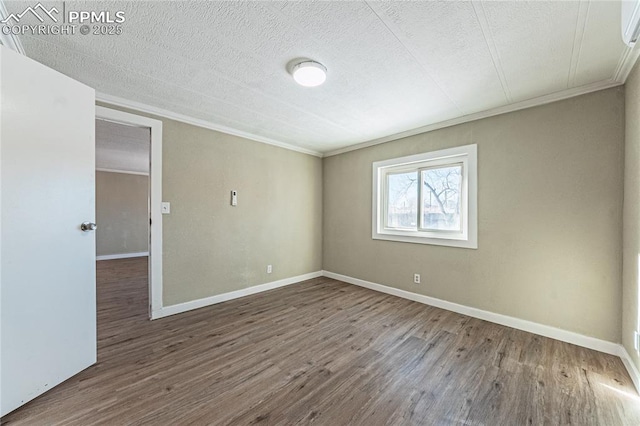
column 155, row 198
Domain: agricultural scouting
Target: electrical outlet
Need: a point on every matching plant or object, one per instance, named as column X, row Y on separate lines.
column 636, row 337
column 269, row 269
column 416, row 278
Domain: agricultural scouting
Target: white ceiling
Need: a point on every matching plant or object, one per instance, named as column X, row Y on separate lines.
column 122, row 148
column 392, row 66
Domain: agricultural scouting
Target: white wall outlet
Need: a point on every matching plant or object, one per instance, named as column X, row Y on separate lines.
column 636, row 338
column 166, row 207
column 269, row 269
column 416, row 278
column 234, row 198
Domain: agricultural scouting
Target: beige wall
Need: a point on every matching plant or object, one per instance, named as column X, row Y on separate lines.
column 631, row 233
column 121, row 213
column 550, row 217
column 211, row 247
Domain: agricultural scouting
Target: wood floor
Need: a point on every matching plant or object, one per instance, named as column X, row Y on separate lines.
column 327, row 353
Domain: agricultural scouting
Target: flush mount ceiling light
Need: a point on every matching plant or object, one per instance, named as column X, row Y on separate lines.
column 309, row 73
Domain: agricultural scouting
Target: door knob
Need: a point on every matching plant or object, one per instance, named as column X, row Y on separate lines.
column 88, row 226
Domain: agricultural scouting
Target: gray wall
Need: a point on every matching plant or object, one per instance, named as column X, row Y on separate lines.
column 122, row 213
column 550, row 217
column 631, row 233
column 211, row 247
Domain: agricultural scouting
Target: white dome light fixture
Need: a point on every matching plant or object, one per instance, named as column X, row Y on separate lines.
column 309, row 73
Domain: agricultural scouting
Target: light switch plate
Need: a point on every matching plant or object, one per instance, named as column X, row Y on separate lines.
column 166, row 207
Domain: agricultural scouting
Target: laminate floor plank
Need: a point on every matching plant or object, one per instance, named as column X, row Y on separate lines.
column 326, row 353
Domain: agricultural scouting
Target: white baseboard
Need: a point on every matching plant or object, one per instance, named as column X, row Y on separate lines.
column 122, row 256
column 630, row 366
column 517, row 323
column 520, row 324
column 200, row 303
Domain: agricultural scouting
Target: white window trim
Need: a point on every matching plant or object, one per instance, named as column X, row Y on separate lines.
column 468, row 238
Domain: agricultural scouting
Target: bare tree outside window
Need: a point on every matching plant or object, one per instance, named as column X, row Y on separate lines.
column 427, row 198
column 402, row 208
column 441, row 192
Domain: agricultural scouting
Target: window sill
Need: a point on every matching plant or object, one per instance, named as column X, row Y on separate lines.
column 417, row 239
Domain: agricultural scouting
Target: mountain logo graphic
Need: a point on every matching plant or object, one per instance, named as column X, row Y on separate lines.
column 34, row 11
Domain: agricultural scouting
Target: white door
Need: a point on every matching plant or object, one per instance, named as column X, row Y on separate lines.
column 47, row 190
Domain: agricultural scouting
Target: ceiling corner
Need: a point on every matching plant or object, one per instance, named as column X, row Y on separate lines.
column 149, row 109
column 627, row 61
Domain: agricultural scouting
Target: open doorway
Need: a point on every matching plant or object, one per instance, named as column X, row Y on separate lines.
column 123, row 234
column 128, row 204
column 122, row 190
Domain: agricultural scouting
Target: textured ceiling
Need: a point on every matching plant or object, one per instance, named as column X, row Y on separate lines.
column 123, row 148
column 392, row 66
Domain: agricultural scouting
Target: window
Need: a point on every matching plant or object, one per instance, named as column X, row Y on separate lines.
column 428, row 198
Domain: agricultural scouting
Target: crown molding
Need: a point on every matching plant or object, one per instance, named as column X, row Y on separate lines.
column 623, row 70
column 627, row 61
column 149, row 109
column 529, row 103
column 12, row 41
